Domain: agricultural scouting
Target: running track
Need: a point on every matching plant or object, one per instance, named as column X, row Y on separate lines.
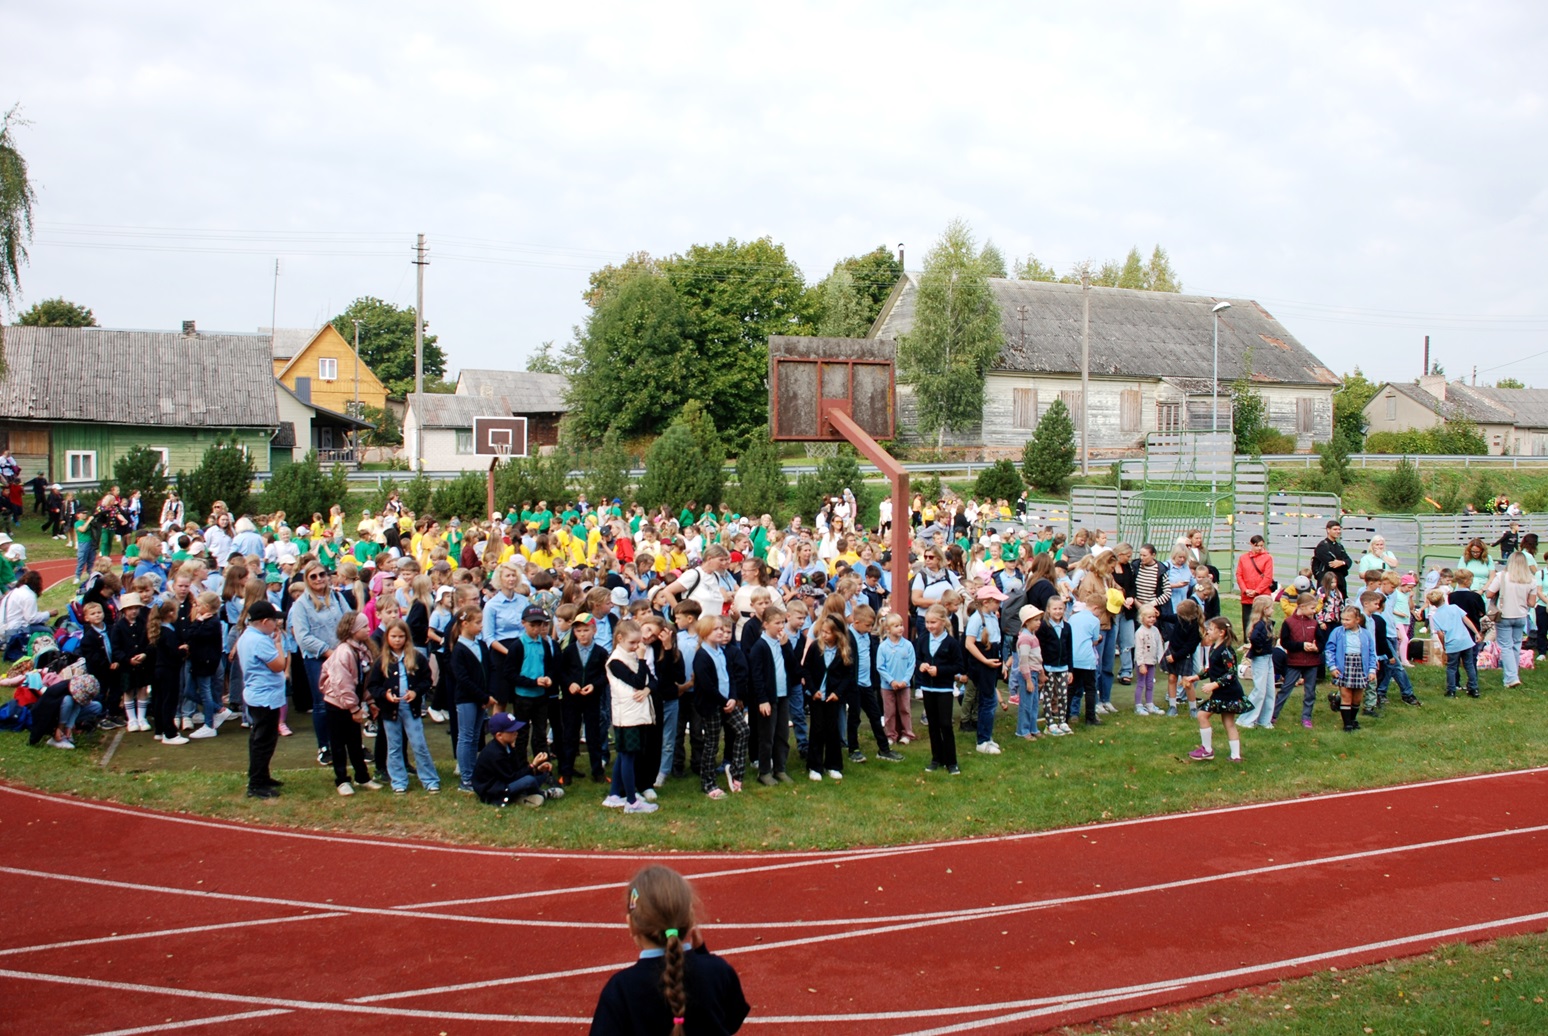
column 126, row 921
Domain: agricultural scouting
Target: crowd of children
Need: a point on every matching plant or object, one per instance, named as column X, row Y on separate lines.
column 650, row 639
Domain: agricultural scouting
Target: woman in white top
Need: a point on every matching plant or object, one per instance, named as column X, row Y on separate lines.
column 1515, row 594
column 1378, row 558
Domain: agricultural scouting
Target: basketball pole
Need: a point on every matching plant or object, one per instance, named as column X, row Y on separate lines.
column 489, row 507
column 889, row 466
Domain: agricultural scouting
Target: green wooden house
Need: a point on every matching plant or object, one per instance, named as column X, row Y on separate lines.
column 75, row 399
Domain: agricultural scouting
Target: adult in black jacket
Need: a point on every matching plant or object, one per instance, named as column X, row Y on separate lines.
column 582, row 685
column 1330, row 556
column 502, row 775
column 828, row 670
column 769, row 698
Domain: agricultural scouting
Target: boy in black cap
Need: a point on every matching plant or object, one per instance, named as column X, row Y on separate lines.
column 502, row 774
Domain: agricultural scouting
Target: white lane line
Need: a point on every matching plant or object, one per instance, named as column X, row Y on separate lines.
column 284, row 1002
column 513, row 854
column 1272, row 967
column 616, row 885
column 1001, row 909
column 194, row 930
column 944, row 918
column 107, row 756
column 301, row 904
column 191, row 1023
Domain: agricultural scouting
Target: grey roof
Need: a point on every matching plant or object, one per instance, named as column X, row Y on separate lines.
column 526, row 392
column 285, row 437
column 1461, row 401
column 290, row 340
column 138, row 377
column 1529, row 405
column 444, row 410
column 1133, row 333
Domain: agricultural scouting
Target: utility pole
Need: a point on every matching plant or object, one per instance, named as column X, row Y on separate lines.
column 274, row 309
column 1085, row 364
column 420, row 262
column 357, row 367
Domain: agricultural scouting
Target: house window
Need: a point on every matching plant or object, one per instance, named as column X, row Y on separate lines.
column 1024, row 408
column 1305, row 416
column 1168, row 417
column 166, row 458
column 80, row 465
column 1071, row 402
column 464, row 441
column 1129, row 411
column 327, row 369
column 1391, row 406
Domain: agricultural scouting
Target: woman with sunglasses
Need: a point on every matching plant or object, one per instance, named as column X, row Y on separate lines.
column 313, row 621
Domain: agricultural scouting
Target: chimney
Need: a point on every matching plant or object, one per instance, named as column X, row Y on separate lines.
column 1435, row 385
column 188, row 328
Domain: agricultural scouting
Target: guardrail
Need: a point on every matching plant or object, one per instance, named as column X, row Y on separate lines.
column 1374, row 460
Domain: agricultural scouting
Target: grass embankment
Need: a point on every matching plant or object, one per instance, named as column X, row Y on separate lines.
column 1132, row 766
column 1498, row 987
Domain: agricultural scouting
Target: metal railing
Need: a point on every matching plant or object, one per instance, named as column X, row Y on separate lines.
column 1387, row 460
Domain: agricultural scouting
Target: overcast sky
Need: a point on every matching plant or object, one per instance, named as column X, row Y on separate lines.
column 1369, row 172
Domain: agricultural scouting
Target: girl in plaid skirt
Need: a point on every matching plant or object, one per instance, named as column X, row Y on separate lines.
column 1350, row 657
column 1220, row 682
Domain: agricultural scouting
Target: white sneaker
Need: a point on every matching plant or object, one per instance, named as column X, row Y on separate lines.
column 918, row 694
column 156, row 737
column 1155, row 710
column 615, row 802
column 1054, row 731
column 835, row 775
column 660, row 781
column 221, row 717
column 436, row 715
column 640, row 806
column 1140, row 710
column 59, row 742
column 1065, row 727
column 649, row 795
column 179, row 740
column 988, row 748
column 1247, row 726
column 813, row 775
column 346, row 788
column 202, row 733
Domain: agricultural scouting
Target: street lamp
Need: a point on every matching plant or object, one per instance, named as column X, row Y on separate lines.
column 1220, row 307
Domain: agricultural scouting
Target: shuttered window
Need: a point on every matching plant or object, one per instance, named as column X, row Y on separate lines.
column 1168, row 417
column 1024, row 408
column 1305, row 413
column 1072, row 404
column 1129, row 411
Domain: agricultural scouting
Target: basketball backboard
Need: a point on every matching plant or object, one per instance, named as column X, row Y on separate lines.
column 500, row 436
column 811, row 377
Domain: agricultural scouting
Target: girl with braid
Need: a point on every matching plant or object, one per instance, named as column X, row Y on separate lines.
column 677, row 986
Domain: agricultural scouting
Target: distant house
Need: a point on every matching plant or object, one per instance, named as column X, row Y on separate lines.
column 74, row 399
column 1150, row 367
column 445, row 421
column 318, row 366
column 306, row 427
column 1510, row 420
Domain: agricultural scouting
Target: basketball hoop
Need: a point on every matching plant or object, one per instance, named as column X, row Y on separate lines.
column 500, row 449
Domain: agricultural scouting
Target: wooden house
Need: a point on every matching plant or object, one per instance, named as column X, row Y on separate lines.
column 445, row 421
column 319, row 367
column 75, row 399
column 1510, row 420
column 1151, row 362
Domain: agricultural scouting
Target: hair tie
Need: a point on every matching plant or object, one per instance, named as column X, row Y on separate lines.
column 678, row 1021
column 670, row 933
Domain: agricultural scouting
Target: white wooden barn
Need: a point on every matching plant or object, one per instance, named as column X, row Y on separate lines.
column 1150, row 371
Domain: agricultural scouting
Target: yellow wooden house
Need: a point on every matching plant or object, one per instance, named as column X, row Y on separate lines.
column 319, row 367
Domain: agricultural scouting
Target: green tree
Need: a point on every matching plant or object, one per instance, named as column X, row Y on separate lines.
column 1401, row 490
column 844, row 310
column 541, row 477
column 386, row 430
column 414, row 494
column 999, row 481
column 304, row 488
column 1349, row 401
column 463, row 497
column 1132, row 274
column 56, row 313
column 543, row 360
column 671, row 469
column 1032, row 269
column 225, row 472
column 711, row 453
column 387, row 343
column 635, row 360
column 1049, row 456
column 607, row 469
column 875, row 274
column 1159, row 275
column 737, row 294
column 16, row 201
column 955, row 337
column 834, row 475
column 140, row 468
column 1249, row 413
column 1510, row 383
column 604, row 282
column 992, row 260
column 1333, row 458
column 761, row 484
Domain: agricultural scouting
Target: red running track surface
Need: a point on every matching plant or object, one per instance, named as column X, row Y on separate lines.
column 120, row 919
